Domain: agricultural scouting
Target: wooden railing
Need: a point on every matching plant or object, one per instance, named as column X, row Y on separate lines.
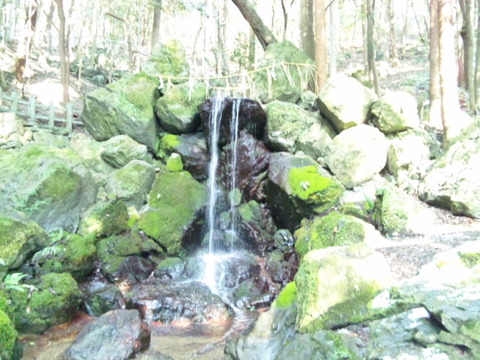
column 39, row 116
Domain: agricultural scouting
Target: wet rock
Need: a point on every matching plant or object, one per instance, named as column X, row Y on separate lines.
column 174, row 201
column 116, row 335
column 357, row 155
column 345, row 102
column 452, row 182
column 255, row 226
column 251, row 118
column 119, row 150
column 55, row 301
column 295, row 189
column 281, row 267
column 395, row 111
column 100, row 297
column 177, row 109
column 131, row 183
column 170, row 268
column 281, row 81
column 292, row 129
column 193, row 150
column 335, row 286
column 104, row 219
column 168, row 62
column 124, row 107
column 20, row 237
column 189, row 301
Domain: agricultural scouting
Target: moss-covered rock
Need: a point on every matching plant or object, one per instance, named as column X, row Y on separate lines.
column 8, row 337
column 174, row 163
column 177, row 110
column 124, row 108
column 289, row 80
column 105, row 219
column 173, row 203
column 120, row 150
column 168, row 61
column 335, row 286
column 20, row 237
column 55, row 300
column 72, row 254
column 287, row 296
column 333, row 229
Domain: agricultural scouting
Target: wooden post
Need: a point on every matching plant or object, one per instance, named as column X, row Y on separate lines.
column 51, row 116
column 69, row 118
column 14, row 102
column 31, row 109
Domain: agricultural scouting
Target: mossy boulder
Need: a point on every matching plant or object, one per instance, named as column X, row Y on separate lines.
column 345, row 102
column 292, row 129
column 173, row 202
column 395, row 111
column 285, row 74
column 72, row 254
column 54, row 301
column 8, row 337
column 174, row 163
column 335, row 286
column 296, row 189
column 131, row 184
column 119, row 150
column 104, row 219
column 287, row 296
column 51, row 186
column 333, row 229
column 168, row 61
column 177, row 109
column 20, row 237
column 123, row 108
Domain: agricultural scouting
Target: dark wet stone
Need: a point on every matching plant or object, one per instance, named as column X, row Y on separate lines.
column 100, row 297
column 251, row 118
column 116, row 335
column 170, row 268
column 165, row 302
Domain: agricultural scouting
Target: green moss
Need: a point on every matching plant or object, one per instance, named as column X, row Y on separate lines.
column 168, row 144
column 8, row 336
column 105, row 219
column 308, row 185
column 174, row 163
column 333, row 229
column 250, row 211
column 287, row 296
column 470, row 259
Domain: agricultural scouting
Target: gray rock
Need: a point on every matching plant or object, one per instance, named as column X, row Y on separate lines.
column 104, row 219
column 116, row 335
column 119, row 150
column 395, row 111
column 292, row 129
column 345, row 102
column 452, row 182
column 357, row 155
column 132, row 183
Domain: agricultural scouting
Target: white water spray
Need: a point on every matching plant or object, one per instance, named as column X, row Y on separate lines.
column 233, row 179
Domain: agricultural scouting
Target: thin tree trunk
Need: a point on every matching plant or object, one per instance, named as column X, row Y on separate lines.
column 477, row 64
column 321, row 58
column 392, row 34
column 435, row 97
column 63, row 51
column 264, row 34
column 307, row 35
column 372, row 69
column 332, row 47
column 468, row 35
column 157, row 16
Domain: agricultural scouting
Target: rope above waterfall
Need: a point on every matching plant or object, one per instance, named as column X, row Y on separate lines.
column 244, row 81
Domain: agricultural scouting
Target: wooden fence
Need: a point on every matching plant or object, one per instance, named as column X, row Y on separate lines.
column 39, row 116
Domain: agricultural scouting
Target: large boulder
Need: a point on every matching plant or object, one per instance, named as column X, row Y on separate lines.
column 11, row 130
column 335, row 286
column 296, row 189
column 55, row 300
column 104, row 219
column 119, row 150
column 8, row 336
column 173, row 203
column 395, row 111
column 20, row 237
column 410, row 154
column 51, row 186
column 357, row 155
column 292, row 129
column 345, row 102
column 284, row 73
column 168, row 62
column 123, row 108
column 116, row 335
column 452, row 182
column 131, row 184
column 177, row 110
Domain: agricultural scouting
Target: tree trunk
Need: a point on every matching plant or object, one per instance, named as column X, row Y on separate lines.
column 63, row 51
column 477, row 65
column 392, row 36
column 450, row 108
column 264, row 35
column 332, row 46
column 307, row 35
column 372, row 69
column 467, row 33
column 157, row 15
column 321, row 43
column 435, row 97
